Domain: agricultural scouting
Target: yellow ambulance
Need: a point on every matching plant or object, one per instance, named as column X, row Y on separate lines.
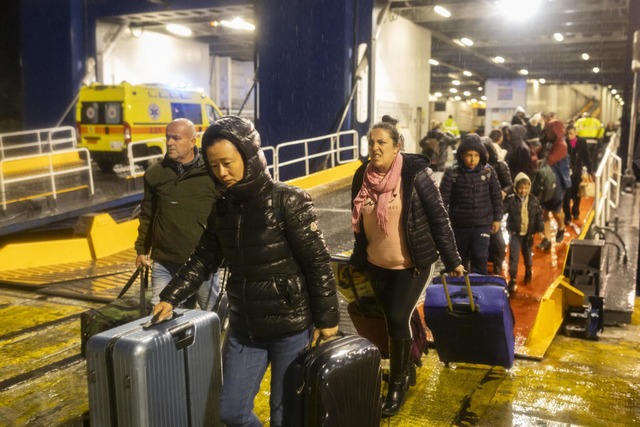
column 109, row 117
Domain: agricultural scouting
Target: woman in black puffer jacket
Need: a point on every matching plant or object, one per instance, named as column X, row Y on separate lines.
column 280, row 285
column 400, row 225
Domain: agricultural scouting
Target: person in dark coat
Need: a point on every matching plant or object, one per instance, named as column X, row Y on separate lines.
column 520, row 117
column 579, row 158
column 178, row 197
column 401, row 228
column 519, row 155
column 472, row 195
column 497, row 245
column 281, row 284
column 523, row 221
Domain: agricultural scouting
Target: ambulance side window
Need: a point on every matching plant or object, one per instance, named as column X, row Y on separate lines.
column 187, row 111
column 211, row 114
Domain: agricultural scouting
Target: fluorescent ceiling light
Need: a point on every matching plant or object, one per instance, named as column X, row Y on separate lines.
column 498, row 59
column 480, row 89
column 558, row 37
column 467, row 41
column 524, row 72
column 473, row 100
column 542, row 81
column 596, row 70
column 466, row 93
column 585, row 56
column 484, row 98
column 238, row 24
column 457, row 98
column 179, row 30
column 613, row 91
column 455, row 82
column 438, row 94
column 453, row 90
column 467, row 73
column 518, row 10
column 442, row 11
column 433, row 62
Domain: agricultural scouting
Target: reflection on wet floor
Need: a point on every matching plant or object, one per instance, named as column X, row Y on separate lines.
column 578, row 382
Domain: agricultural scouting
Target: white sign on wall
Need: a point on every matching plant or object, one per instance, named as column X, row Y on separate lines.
column 503, row 97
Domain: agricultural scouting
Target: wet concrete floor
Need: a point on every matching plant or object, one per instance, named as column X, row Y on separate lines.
column 578, row 382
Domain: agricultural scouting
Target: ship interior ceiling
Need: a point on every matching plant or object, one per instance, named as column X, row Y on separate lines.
column 551, row 41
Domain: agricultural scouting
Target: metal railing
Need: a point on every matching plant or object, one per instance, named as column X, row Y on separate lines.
column 608, row 177
column 50, row 173
column 332, row 155
column 14, row 144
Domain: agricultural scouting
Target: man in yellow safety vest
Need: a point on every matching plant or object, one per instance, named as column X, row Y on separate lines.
column 450, row 125
column 591, row 130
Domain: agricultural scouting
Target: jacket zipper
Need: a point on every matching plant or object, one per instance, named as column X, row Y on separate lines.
column 242, row 264
column 416, row 271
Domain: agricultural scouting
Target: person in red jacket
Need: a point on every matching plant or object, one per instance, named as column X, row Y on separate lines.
column 558, row 159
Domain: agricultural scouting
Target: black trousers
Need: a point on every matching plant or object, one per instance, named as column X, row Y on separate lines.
column 397, row 293
column 519, row 244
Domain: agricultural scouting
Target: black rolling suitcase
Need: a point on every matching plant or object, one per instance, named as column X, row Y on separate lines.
column 340, row 382
column 165, row 375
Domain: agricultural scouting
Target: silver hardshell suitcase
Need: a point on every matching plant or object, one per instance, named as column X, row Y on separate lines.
column 168, row 374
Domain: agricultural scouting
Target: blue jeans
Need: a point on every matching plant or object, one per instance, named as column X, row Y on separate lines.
column 245, row 364
column 162, row 273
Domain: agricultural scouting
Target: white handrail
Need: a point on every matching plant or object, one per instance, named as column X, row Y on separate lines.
column 37, row 141
column 608, row 177
column 333, row 153
column 51, row 173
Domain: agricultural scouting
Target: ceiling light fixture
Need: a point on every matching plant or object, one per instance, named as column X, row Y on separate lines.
column 518, row 10
column 498, row 59
column 453, row 90
column 434, row 62
column 613, row 91
column 467, row 73
column 558, row 37
column 596, row 70
column 483, row 97
column 238, row 24
column 466, row 93
column 455, row 82
column 542, row 81
column 438, row 94
column 179, row 30
column 467, row 41
column 585, row 56
column 442, row 11
column 457, row 98
column 480, row 89
column 524, row 71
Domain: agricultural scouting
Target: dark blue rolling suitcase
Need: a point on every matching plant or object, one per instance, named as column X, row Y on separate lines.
column 471, row 319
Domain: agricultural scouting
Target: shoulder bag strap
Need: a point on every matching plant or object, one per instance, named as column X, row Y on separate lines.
column 132, row 279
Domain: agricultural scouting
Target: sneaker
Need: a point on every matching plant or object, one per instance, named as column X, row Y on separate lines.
column 513, row 287
column 560, row 236
column 544, row 245
column 527, row 275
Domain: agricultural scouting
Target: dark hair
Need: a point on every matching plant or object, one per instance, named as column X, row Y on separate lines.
column 570, row 127
column 495, row 135
column 388, row 123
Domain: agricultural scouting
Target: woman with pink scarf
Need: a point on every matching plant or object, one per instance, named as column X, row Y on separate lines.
column 401, row 228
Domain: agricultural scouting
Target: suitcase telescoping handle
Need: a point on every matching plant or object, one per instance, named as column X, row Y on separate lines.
column 472, row 304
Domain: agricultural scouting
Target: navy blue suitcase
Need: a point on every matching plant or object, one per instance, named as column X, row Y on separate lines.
column 471, row 319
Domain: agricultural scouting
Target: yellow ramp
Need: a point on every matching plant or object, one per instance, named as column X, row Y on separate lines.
column 553, row 306
column 35, row 254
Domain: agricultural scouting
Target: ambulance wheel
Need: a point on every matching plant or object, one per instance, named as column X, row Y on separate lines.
column 105, row 166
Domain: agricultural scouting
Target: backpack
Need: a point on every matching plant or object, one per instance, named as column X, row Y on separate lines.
column 544, row 183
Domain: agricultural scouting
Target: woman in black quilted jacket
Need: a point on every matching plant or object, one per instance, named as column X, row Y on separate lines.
column 400, row 227
column 281, row 285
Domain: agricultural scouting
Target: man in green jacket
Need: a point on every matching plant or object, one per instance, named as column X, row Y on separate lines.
column 178, row 198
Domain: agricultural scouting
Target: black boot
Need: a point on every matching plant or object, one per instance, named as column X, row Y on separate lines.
column 399, row 375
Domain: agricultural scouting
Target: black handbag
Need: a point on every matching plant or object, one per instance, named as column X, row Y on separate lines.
column 122, row 310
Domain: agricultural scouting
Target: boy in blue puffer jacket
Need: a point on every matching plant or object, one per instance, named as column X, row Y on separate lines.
column 472, row 195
